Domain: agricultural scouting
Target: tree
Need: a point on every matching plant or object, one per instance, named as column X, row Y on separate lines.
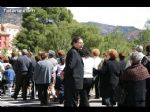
column 38, row 34
column 53, row 28
column 145, row 34
column 90, row 35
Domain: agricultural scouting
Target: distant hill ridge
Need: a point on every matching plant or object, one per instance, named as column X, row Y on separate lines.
column 130, row 32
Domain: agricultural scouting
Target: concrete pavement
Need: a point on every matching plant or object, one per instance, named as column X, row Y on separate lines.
column 7, row 101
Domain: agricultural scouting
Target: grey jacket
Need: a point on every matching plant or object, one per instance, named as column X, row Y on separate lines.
column 23, row 64
column 43, row 72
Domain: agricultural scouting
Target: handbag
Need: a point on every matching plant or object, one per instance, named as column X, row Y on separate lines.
column 119, row 95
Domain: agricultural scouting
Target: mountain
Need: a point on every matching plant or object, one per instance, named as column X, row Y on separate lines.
column 129, row 32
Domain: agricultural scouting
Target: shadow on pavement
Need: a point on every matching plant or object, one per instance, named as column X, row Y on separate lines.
column 96, row 100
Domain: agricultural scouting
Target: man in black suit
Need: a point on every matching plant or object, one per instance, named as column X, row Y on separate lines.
column 73, row 73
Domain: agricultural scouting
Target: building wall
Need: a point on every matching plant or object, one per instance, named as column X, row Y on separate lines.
column 4, row 41
column 12, row 32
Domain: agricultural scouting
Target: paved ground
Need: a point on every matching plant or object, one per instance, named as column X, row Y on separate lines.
column 7, row 101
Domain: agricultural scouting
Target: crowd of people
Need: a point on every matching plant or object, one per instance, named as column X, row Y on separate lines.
column 70, row 77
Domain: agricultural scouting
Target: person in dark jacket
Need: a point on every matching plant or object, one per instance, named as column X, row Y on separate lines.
column 122, row 62
column 146, row 62
column 133, row 82
column 109, row 74
column 22, row 69
column 31, row 70
column 73, row 73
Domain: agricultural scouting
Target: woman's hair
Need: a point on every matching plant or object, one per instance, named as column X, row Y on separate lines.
column 84, row 52
column 148, row 48
column 62, row 60
column 13, row 54
column 75, row 39
column 37, row 58
column 135, row 57
column 60, row 53
column 5, row 60
column 122, row 56
column 30, row 54
column 113, row 53
column 95, row 52
column 44, row 55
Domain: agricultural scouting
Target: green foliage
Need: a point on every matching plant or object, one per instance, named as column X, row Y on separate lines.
column 90, row 35
column 37, row 34
column 145, row 36
column 117, row 41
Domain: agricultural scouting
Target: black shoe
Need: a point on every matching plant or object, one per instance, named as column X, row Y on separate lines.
column 96, row 97
column 61, row 101
column 15, row 98
column 43, row 104
column 3, row 92
column 32, row 98
column 24, row 99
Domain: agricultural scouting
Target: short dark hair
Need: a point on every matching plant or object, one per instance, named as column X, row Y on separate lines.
column 62, row 60
column 148, row 48
column 75, row 39
column 84, row 52
column 122, row 56
column 37, row 58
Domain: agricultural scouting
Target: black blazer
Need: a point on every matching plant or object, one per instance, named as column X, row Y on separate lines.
column 109, row 74
column 73, row 72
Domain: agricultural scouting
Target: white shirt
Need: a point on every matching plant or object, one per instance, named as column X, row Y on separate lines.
column 60, row 68
column 97, row 61
column 54, row 61
column 88, row 67
column 141, row 56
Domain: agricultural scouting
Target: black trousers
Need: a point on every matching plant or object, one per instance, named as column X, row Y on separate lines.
column 22, row 81
column 33, row 90
column 3, row 86
column 0, row 88
column 148, row 92
column 70, row 96
column 42, row 92
column 84, row 93
column 97, row 87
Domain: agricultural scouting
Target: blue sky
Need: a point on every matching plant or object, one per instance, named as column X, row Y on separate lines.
column 122, row 16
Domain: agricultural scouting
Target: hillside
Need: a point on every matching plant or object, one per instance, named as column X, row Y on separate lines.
column 130, row 32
